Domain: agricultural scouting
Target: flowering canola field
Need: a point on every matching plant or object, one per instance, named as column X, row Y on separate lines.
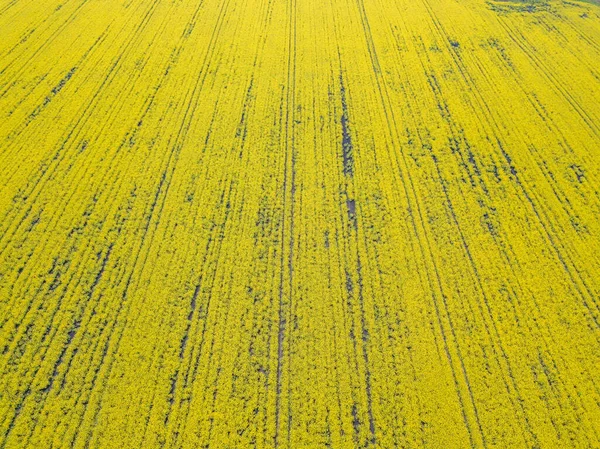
column 299, row 224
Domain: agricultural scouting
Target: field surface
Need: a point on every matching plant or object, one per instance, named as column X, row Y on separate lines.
column 299, row 224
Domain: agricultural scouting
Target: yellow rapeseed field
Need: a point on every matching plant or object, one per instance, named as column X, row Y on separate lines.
column 299, row 224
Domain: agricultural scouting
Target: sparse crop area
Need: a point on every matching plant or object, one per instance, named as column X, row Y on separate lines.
column 299, row 224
